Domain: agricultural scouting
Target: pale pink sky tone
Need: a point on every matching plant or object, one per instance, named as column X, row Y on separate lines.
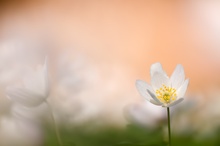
column 133, row 34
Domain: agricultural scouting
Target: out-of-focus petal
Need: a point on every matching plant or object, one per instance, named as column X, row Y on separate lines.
column 182, row 90
column 33, row 114
column 157, row 68
column 45, row 74
column 24, row 96
column 178, row 77
column 37, row 81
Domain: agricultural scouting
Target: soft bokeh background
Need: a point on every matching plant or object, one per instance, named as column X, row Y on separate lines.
column 96, row 50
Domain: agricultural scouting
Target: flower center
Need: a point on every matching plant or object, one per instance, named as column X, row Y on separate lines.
column 166, row 94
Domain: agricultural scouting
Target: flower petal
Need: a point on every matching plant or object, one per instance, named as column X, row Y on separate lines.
column 24, row 96
column 182, row 90
column 142, row 88
column 46, row 80
column 154, row 97
column 37, row 81
column 158, row 80
column 178, row 76
column 32, row 114
column 156, row 68
column 175, row 102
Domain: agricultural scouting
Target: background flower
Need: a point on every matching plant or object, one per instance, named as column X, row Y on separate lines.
column 145, row 114
column 35, row 89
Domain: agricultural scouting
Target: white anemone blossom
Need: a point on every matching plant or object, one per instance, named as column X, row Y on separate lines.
column 35, row 88
column 164, row 91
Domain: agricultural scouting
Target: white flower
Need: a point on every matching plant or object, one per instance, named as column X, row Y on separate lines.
column 164, row 91
column 35, row 88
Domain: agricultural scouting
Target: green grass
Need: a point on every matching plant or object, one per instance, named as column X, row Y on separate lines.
column 132, row 135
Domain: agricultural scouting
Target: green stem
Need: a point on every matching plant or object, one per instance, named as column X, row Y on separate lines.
column 54, row 124
column 169, row 131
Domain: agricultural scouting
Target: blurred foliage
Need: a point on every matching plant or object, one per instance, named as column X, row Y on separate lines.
column 132, row 135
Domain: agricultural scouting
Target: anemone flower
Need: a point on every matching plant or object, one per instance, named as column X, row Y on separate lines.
column 34, row 92
column 35, row 89
column 164, row 91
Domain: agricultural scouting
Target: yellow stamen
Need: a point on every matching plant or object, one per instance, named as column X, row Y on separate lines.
column 166, row 94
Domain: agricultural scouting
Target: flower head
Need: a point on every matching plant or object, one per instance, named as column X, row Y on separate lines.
column 35, row 88
column 164, row 91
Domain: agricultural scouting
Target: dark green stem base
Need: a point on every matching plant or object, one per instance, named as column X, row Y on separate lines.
column 169, row 131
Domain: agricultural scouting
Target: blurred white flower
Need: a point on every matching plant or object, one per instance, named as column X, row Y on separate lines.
column 185, row 116
column 144, row 114
column 33, row 114
column 15, row 131
column 164, row 91
column 35, row 88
